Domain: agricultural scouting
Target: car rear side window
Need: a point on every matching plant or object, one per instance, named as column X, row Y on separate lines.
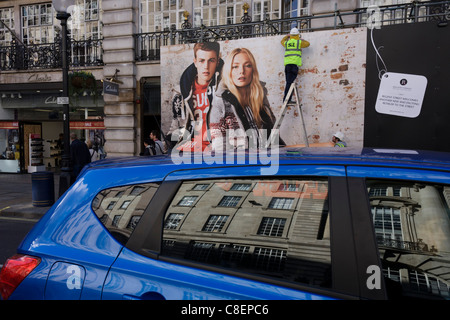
column 276, row 228
column 121, row 208
column 412, row 229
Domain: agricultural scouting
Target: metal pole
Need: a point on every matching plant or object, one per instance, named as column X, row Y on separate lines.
column 66, row 168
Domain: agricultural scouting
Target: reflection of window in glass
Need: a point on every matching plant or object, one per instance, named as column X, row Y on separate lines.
column 121, row 220
column 215, row 223
column 125, row 204
column 202, row 251
column 137, row 190
column 241, row 186
column 412, row 226
column 272, row 227
column 104, row 218
column 387, row 223
column 116, row 220
column 281, row 203
column 119, row 194
column 288, row 187
column 133, row 222
column 173, row 221
column 235, row 253
column 293, row 244
column 187, row 201
column 111, row 205
column 229, row 201
column 201, row 186
column 270, row 259
column 378, row 191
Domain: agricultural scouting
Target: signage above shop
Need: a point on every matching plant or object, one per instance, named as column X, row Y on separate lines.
column 110, row 87
column 49, row 99
column 9, row 125
column 87, row 125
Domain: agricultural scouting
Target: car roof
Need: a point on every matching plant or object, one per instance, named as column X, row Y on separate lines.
column 286, row 155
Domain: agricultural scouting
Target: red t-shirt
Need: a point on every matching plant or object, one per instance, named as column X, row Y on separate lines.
column 199, row 140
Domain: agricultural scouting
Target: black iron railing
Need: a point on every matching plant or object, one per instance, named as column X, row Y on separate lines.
column 418, row 246
column 148, row 44
column 86, row 53
column 19, row 56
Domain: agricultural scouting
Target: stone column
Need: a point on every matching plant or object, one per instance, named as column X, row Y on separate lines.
column 118, row 46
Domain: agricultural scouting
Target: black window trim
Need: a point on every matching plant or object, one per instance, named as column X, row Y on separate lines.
column 146, row 238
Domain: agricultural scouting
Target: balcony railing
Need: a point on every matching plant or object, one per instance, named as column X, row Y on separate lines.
column 86, row 53
column 19, row 56
column 148, row 44
column 418, row 246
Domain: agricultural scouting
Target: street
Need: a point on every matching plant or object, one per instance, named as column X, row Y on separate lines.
column 12, row 232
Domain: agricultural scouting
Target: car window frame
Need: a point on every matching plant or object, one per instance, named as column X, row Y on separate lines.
column 400, row 174
column 348, row 274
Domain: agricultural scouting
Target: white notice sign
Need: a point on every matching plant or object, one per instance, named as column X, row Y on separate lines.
column 401, row 94
column 62, row 100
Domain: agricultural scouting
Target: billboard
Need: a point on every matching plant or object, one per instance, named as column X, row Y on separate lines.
column 408, row 107
column 330, row 83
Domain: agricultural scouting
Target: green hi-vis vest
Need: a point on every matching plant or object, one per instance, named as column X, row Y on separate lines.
column 293, row 52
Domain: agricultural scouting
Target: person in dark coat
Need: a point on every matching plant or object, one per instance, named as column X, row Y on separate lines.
column 79, row 155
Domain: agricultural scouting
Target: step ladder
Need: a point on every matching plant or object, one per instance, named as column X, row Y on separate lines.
column 286, row 103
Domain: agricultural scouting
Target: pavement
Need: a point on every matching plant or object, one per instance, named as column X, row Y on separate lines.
column 16, row 196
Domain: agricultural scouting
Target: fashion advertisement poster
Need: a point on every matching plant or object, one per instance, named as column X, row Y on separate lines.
column 330, row 84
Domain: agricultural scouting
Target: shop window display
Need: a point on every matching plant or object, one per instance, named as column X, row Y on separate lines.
column 9, row 147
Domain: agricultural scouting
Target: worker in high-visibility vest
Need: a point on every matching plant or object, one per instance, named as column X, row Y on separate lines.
column 292, row 56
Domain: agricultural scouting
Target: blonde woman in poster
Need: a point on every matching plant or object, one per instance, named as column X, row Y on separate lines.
column 240, row 104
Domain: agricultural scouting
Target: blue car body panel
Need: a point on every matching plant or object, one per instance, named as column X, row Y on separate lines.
column 81, row 260
column 137, row 277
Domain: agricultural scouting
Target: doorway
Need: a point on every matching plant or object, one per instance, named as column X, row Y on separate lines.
column 151, row 106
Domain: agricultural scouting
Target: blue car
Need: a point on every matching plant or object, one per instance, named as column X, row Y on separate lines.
column 310, row 223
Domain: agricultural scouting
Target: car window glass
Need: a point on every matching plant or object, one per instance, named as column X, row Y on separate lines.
column 412, row 228
column 277, row 228
column 120, row 208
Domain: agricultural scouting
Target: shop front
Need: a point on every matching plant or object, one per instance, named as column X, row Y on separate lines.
column 9, row 147
column 33, row 140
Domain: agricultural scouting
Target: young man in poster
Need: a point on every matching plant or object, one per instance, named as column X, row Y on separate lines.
column 198, row 84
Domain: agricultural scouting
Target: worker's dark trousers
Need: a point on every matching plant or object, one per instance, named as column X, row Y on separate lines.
column 290, row 71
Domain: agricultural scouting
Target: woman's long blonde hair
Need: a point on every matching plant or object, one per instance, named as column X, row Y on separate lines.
column 253, row 95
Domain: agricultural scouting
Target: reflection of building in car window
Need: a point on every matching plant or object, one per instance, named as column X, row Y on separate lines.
column 275, row 228
column 412, row 229
column 120, row 208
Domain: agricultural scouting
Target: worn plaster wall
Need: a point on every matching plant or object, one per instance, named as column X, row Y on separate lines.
column 331, row 82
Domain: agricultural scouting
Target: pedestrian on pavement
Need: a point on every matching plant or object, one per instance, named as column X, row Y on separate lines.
column 149, row 147
column 94, row 154
column 159, row 147
column 292, row 57
column 79, row 154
